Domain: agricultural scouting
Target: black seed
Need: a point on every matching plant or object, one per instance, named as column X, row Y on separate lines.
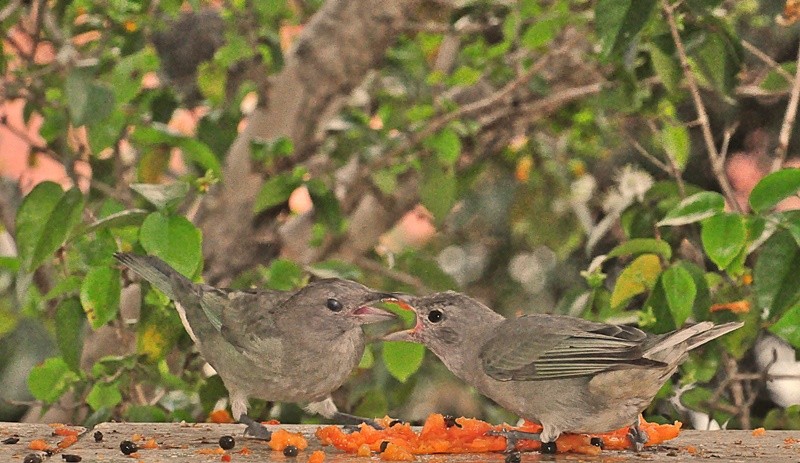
column 514, row 457
column 98, row 436
column 127, row 447
column 394, row 422
column 48, row 452
column 450, row 421
column 32, row 458
column 549, row 447
column 69, row 458
column 11, row 440
column 384, row 444
column 227, row 442
column 597, row 442
column 290, row 451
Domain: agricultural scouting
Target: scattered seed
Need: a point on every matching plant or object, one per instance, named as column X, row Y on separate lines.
column 597, row 442
column 11, row 440
column 227, row 442
column 394, row 422
column 290, row 451
column 514, row 457
column 384, row 444
column 70, row 458
column 549, row 447
column 98, row 436
column 32, row 458
column 127, row 447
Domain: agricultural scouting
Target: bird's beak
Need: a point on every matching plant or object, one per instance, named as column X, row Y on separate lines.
column 368, row 314
column 405, row 335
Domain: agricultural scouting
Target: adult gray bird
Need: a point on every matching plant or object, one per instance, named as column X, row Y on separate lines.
column 273, row 345
column 568, row 374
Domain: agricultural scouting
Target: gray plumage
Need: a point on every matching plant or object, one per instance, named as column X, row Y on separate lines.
column 272, row 345
column 569, row 374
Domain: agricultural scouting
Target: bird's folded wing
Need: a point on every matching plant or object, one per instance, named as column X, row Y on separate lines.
column 540, row 347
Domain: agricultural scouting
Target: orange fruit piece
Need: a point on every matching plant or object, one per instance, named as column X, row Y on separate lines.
column 220, row 417
column 317, row 456
column 67, row 441
column 38, row 444
column 281, row 439
column 149, row 445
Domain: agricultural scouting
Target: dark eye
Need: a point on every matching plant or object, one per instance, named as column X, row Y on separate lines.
column 334, row 305
column 435, row 316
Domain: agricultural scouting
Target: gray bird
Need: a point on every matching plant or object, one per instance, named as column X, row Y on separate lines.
column 566, row 373
column 273, row 345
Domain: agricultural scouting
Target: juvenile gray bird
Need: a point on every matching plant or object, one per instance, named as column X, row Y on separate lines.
column 272, row 345
column 568, row 374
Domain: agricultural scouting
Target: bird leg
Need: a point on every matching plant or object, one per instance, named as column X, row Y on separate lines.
column 637, row 436
column 512, row 437
column 347, row 419
column 255, row 429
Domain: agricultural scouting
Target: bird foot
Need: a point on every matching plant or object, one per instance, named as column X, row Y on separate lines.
column 512, row 437
column 347, row 419
column 638, row 437
column 255, row 429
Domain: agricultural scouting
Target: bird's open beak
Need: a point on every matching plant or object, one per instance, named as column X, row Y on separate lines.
column 405, row 335
column 368, row 314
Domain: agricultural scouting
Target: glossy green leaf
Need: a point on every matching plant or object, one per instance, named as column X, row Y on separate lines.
column 145, row 414
column 724, row 236
column 695, row 208
column 638, row 277
column 367, row 359
column 677, row 144
column 326, row 206
column 619, row 21
column 162, row 196
column 667, row 67
column 680, row 291
column 774, row 188
column 788, row 326
column 44, row 220
column 402, row 359
column 775, row 276
column 175, row 240
column 775, row 81
column 50, row 379
column 100, row 295
column 200, row 154
column 125, row 77
column 284, row 275
column 438, row 190
column 642, row 246
column 69, row 321
column 541, row 33
column 446, row 144
column 104, row 395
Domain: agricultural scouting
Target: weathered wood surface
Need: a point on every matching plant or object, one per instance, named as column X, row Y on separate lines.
column 180, row 443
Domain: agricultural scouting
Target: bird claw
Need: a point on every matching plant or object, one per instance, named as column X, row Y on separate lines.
column 255, row 429
column 353, row 420
column 638, row 437
column 512, row 437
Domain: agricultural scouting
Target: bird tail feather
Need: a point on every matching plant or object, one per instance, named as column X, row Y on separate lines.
column 691, row 337
column 154, row 270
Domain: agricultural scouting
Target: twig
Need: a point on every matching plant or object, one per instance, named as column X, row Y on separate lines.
column 402, row 277
column 726, row 140
column 9, row 9
column 717, row 163
column 788, row 121
column 767, row 60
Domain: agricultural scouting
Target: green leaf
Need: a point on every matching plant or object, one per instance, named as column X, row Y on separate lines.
column 680, row 291
column 69, row 322
column 775, row 82
column 277, row 190
column 336, row 269
column 127, row 218
column 541, row 33
column 446, row 145
column 211, row 80
column 775, row 276
column 666, row 67
column 174, row 239
column 201, row 154
column 326, row 206
column 642, row 246
column 367, row 359
column 724, row 236
column 145, row 414
column 89, row 101
column 10, row 264
column 618, row 22
column 640, row 276
column 162, row 196
column 157, row 332
column 438, row 190
column 100, row 295
column 402, row 359
column 284, row 275
column 126, row 76
column 675, row 139
column 788, row 327
column 104, row 395
column 465, row 75
column 695, row 208
column 774, row 188
column 45, row 218
column 49, row 380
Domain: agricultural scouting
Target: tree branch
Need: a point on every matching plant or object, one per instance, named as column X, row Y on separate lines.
column 788, row 120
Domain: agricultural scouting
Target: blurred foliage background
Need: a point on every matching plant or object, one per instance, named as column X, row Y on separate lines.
column 629, row 161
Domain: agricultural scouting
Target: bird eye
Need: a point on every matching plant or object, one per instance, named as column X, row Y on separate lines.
column 435, row 316
column 334, row 305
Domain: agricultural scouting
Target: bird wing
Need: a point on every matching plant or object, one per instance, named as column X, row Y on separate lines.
column 538, row 347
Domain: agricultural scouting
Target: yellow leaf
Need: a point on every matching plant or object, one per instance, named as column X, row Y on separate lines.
column 640, row 276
